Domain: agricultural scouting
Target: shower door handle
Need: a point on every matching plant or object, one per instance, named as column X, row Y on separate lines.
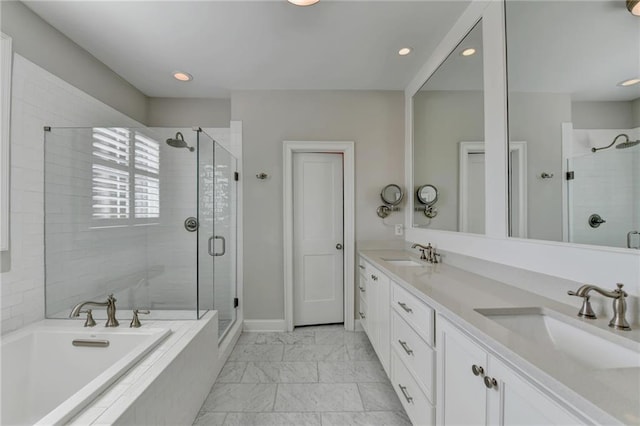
column 224, row 245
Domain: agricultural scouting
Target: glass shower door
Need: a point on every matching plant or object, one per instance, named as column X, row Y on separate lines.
column 225, row 226
column 217, row 198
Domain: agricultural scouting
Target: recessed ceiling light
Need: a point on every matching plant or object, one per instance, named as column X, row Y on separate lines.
column 404, row 51
column 634, row 7
column 303, row 2
column 182, row 76
column 629, row 82
column 468, row 52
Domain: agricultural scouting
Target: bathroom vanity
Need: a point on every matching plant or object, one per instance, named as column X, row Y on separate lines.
column 460, row 348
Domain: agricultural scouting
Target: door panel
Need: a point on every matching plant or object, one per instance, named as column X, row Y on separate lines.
column 317, row 239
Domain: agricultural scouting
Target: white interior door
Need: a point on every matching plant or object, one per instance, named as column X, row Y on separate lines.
column 475, row 194
column 317, row 239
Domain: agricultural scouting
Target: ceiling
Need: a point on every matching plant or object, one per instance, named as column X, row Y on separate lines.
column 240, row 45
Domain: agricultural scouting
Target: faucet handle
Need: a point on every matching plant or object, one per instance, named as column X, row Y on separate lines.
column 620, row 290
column 90, row 322
column 135, row 321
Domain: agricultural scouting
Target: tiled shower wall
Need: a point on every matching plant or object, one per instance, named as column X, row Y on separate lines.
column 38, row 99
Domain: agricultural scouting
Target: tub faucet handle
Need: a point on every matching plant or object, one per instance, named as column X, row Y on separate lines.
column 90, row 322
column 135, row 321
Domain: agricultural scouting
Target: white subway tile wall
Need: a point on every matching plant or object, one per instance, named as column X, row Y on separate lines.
column 38, row 99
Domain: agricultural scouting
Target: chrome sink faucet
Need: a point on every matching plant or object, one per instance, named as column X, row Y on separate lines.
column 619, row 304
column 430, row 256
column 111, row 310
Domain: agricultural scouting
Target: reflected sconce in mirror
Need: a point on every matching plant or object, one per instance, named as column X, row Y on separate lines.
column 391, row 196
column 427, row 196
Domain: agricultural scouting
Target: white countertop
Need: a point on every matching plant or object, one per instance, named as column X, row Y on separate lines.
column 607, row 396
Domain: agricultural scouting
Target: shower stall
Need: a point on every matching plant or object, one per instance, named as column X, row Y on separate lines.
column 130, row 213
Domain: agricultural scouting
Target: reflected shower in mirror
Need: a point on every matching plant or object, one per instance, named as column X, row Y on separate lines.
column 448, row 135
column 572, row 102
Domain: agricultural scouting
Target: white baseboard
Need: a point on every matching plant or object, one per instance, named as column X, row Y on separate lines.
column 358, row 326
column 265, row 325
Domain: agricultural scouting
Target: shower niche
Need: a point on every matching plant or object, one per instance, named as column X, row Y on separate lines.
column 116, row 204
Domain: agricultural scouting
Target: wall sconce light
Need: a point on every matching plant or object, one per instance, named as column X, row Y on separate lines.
column 634, row 7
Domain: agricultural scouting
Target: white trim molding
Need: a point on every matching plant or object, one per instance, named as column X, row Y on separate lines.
column 347, row 148
column 6, row 56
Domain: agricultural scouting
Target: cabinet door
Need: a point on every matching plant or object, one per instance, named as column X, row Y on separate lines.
column 372, row 306
column 461, row 396
column 515, row 401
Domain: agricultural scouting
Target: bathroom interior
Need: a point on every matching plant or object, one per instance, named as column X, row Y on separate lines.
column 320, row 212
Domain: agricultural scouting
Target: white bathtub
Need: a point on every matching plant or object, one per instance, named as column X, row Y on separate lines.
column 46, row 380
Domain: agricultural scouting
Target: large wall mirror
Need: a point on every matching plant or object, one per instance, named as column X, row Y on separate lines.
column 448, row 142
column 567, row 67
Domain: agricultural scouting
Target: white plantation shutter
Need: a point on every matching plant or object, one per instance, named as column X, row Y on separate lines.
column 147, row 193
column 126, row 180
column 110, row 193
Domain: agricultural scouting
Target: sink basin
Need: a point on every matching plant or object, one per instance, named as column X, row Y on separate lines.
column 548, row 329
column 403, row 262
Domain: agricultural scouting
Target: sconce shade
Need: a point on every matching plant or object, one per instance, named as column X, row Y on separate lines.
column 634, row 7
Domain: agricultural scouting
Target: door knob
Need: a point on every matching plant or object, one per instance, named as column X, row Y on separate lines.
column 339, row 246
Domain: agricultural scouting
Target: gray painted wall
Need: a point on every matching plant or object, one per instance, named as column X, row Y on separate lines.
column 603, row 115
column 189, row 112
column 47, row 47
column 373, row 120
column 635, row 113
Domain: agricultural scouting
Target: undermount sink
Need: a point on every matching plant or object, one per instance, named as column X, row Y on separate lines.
column 547, row 329
column 403, row 262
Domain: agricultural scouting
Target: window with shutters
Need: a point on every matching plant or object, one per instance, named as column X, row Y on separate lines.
column 125, row 177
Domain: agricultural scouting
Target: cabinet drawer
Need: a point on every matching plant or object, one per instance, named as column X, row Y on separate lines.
column 415, row 312
column 415, row 402
column 416, row 354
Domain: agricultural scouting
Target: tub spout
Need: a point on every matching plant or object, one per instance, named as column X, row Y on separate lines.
column 111, row 310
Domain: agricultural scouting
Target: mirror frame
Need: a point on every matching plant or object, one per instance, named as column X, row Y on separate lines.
column 577, row 262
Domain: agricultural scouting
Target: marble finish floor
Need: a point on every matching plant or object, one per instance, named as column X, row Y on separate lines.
column 315, row 376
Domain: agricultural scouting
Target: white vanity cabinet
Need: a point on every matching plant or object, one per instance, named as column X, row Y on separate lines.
column 377, row 312
column 475, row 387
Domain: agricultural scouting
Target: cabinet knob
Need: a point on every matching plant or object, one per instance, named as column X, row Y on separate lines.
column 405, row 307
column 477, row 370
column 362, row 289
column 361, row 315
column 373, row 277
column 490, row 382
column 360, row 266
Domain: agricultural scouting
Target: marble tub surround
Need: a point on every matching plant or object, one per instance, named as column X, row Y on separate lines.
column 313, row 376
column 606, row 396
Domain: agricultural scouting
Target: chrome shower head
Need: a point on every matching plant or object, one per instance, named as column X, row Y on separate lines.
column 626, row 144
column 179, row 142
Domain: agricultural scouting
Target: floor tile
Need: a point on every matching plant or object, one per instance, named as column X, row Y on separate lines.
column 257, row 353
column 361, row 352
column 341, row 337
column 281, row 372
column 240, row 397
column 231, row 372
column 315, row 353
column 247, row 338
column 351, row 372
column 379, row 397
column 318, row 397
column 319, row 328
column 299, row 338
column 367, row 418
column 207, row 418
column 273, row 419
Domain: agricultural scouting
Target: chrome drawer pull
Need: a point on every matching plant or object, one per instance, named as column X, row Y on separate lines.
column 405, row 347
column 362, row 289
column 405, row 307
column 373, row 277
column 406, row 395
column 360, row 266
column 362, row 315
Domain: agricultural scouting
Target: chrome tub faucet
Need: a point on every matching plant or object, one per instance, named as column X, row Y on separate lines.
column 619, row 304
column 111, row 310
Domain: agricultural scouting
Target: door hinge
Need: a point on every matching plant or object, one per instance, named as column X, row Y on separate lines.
column 236, row 302
column 236, row 176
column 570, row 176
